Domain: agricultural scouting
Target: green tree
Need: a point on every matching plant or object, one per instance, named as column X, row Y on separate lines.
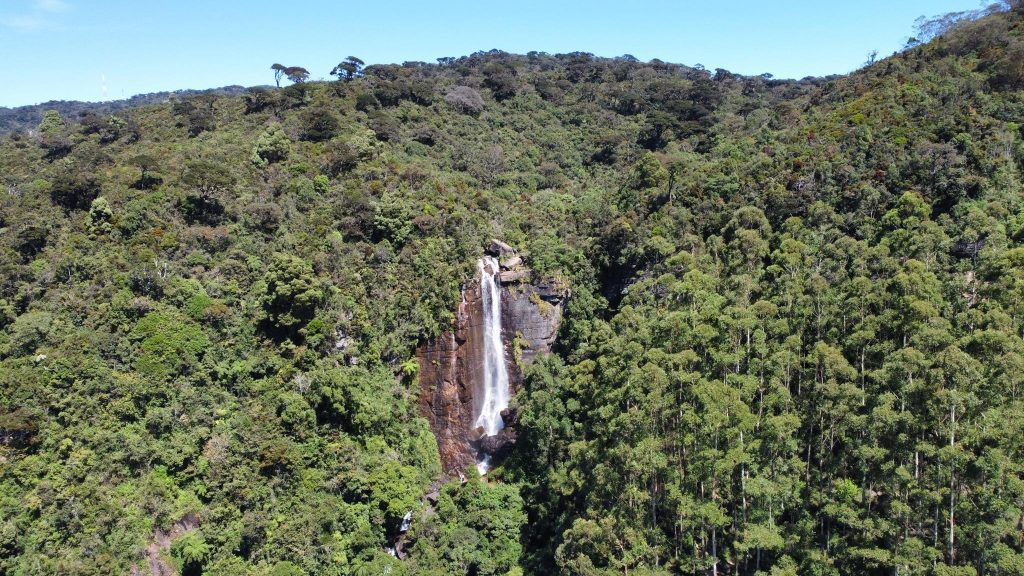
column 100, row 216
column 291, row 293
column 272, row 146
column 52, row 123
column 349, row 69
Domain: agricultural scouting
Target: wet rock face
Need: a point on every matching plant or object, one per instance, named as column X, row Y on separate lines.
column 451, row 367
column 449, row 374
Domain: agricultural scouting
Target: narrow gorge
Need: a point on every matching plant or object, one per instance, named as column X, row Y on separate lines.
column 469, row 376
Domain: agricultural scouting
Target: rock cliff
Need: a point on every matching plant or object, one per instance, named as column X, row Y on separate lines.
column 451, row 373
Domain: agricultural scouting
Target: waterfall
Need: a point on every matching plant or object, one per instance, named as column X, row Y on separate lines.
column 496, row 389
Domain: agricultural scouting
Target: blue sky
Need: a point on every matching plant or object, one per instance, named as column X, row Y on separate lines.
column 108, row 49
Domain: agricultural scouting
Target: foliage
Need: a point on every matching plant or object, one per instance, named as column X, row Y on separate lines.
column 319, row 124
column 349, row 69
column 52, row 123
column 474, row 529
column 272, row 146
column 296, row 74
column 100, row 215
column 292, row 292
column 168, row 344
column 793, row 343
column 465, row 100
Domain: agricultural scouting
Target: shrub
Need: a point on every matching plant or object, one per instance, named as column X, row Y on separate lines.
column 386, row 128
column 56, row 146
column 52, row 123
column 201, row 209
column 501, row 79
column 465, row 100
column 30, row 331
column 366, row 101
column 195, row 114
column 292, row 293
column 319, row 125
column 263, row 216
column 260, row 99
column 272, row 146
column 207, row 176
column 169, row 344
column 31, row 240
column 74, row 191
column 100, row 216
column 339, row 157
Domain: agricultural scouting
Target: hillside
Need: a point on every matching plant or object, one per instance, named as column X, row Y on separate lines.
column 793, row 334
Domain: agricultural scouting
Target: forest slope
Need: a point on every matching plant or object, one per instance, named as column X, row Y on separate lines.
column 793, row 342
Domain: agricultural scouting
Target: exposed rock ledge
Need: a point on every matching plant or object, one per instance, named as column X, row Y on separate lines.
column 451, row 378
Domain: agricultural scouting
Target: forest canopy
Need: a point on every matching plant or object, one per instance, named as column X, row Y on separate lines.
column 794, row 342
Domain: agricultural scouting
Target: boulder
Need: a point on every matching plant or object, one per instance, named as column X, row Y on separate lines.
column 512, row 262
column 499, row 248
column 510, row 416
column 499, row 445
column 551, row 290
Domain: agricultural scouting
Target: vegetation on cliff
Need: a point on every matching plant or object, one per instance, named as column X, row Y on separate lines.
column 793, row 342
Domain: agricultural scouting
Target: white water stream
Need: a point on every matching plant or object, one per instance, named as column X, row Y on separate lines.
column 496, row 390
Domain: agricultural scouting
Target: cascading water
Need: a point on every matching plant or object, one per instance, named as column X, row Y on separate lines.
column 496, row 389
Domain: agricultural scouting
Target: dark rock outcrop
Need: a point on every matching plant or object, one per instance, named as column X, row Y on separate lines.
column 451, row 366
column 499, row 445
column 531, row 314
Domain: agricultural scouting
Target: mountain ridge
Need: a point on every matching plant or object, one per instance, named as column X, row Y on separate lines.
column 28, row 116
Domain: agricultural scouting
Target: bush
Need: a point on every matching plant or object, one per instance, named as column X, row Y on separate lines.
column 292, row 293
column 272, row 146
column 201, row 209
column 319, row 125
column 207, row 176
column 426, row 135
column 386, row 128
column 148, row 178
column 30, row 331
column 263, row 216
column 100, row 216
column 170, row 344
column 195, row 114
column 52, row 123
column 260, row 99
column 366, row 101
column 465, row 100
column 56, row 146
column 74, row 191
column 338, row 158
column 31, row 240
column 501, row 79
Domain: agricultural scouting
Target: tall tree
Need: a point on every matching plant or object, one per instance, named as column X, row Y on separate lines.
column 348, row 69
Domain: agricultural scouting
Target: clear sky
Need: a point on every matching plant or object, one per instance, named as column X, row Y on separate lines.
column 109, row 49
